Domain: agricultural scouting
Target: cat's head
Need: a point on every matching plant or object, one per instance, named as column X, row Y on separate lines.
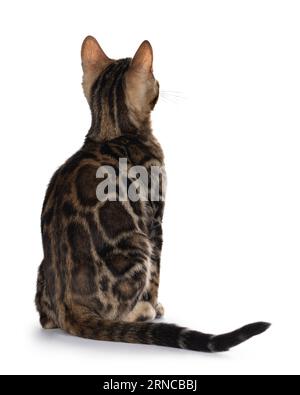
column 121, row 93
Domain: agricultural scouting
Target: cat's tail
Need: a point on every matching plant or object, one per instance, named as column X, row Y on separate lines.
column 161, row 334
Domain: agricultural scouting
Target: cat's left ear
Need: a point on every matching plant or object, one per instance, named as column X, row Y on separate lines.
column 94, row 61
column 92, row 55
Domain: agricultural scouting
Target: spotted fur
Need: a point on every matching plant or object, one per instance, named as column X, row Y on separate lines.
column 100, row 274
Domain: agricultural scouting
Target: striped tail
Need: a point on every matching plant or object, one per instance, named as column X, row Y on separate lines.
column 162, row 334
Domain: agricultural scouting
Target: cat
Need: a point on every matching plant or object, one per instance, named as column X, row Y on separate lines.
column 99, row 277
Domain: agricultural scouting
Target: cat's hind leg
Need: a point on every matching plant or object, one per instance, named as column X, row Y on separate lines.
column 46, row 322
column 43, row 303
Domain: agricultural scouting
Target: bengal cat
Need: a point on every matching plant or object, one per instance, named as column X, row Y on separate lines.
column 100, row 274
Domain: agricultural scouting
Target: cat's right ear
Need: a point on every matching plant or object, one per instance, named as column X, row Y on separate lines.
column 94, row 61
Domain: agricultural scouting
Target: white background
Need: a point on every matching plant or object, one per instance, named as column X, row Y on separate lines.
column 231, row 140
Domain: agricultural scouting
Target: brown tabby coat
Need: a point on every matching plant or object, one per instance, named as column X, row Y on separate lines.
column 100, row 274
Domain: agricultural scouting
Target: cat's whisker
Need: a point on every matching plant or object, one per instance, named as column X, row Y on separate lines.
column 174, row 95
column 168, row 100
column 171, row 99
column 171, row 91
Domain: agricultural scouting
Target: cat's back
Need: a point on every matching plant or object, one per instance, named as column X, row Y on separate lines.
column 72, row 189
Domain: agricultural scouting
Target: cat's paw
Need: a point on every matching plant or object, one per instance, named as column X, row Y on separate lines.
column 160, row 311
column 143, row 311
